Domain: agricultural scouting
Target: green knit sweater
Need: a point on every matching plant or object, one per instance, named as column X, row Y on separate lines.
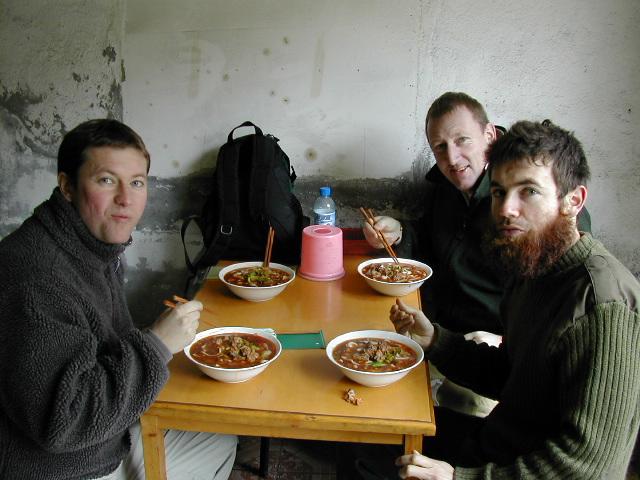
column 567, row 374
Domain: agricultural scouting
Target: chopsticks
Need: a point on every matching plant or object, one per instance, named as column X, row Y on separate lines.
column 370, row 218
column 178, row 300
column 269, row 247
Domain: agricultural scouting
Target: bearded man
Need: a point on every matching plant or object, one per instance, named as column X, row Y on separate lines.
column 567, row 374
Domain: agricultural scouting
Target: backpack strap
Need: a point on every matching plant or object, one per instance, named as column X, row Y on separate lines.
column 244, row 124
column 183, row 230
column 229, row 204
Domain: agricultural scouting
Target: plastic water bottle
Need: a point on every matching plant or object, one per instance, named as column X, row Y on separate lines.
column 324, row 208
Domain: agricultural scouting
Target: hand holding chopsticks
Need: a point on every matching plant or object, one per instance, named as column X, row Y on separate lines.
column 177, row 327
column 269, row 247
column 370, row 219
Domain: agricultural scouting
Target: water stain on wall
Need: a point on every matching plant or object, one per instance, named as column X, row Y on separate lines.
column 310, row 154
column 318, row 68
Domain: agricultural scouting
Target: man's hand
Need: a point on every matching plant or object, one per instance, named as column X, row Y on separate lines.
column 390, row 228
column 177, row 327
column 418, row 466
column 412, row 322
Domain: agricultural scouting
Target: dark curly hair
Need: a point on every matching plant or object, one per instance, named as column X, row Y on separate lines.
column 543, row 143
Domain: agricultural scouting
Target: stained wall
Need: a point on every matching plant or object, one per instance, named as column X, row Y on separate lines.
column 344, row 85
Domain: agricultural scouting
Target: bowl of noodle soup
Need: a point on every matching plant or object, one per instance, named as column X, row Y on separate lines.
column 251, row 281
column 397, row 280
column 233, row 354
column 374, row 358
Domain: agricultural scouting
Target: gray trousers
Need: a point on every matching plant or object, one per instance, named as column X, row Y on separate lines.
column 189, row 456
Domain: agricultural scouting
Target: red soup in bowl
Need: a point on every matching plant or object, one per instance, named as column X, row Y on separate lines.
column 235, row 350
column 374, row 355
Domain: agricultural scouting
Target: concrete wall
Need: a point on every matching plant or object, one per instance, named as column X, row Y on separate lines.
column 344, row 85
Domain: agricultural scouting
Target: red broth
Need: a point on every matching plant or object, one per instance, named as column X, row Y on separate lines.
column 374, row 355
column 257, row 277
column 235, row 350
column 394, row 272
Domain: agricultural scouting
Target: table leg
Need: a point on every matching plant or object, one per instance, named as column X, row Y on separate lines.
column 264, row 456
column 153, row 448
column 411, row 443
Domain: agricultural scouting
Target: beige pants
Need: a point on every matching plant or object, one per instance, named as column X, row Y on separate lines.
column 455, row 397
column 190, row 456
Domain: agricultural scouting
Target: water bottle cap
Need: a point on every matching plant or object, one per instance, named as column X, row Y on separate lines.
column 325, row 191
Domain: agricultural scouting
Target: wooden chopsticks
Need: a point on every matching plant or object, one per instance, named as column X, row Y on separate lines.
column 178, row 300
column 370, row 218
column 269, row 247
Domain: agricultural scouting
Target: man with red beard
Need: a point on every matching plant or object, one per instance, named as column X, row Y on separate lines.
column 567, row 374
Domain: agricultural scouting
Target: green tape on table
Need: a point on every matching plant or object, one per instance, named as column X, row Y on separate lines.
column 298, row 341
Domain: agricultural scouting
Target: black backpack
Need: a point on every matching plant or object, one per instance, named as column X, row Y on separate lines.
column 252, row 188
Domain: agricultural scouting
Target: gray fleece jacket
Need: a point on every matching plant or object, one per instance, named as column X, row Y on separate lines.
column 74, row 371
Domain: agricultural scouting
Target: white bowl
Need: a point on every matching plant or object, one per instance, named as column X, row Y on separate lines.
column 256, row 294
column 375, row 379
column 233, row 375
column 394, row 289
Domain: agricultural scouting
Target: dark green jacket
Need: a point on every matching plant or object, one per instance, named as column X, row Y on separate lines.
column 567, row 375
column 464, row 292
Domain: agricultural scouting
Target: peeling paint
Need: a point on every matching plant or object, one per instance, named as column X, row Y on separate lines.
column 24, row 118
column 110, row 53
column 19, row 100
column 112, row 102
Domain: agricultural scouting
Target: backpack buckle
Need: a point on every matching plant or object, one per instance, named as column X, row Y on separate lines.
column 229, row 229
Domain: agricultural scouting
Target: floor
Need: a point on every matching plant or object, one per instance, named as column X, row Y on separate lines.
column 288, row 460
column 311, row 460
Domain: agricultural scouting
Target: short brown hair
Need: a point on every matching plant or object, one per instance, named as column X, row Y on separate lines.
column 543, row 143
column 449, row 101
column 95, row 133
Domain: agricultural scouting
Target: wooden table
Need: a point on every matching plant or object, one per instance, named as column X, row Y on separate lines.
column 301, row 394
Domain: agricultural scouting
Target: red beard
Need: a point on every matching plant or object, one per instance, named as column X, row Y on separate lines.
column 532, row 254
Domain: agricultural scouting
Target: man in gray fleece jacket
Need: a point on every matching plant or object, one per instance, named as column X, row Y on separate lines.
column 567, row 374
column 75, row 374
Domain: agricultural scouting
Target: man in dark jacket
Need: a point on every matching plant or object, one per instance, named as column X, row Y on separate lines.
column 568, row 371
column 465, row 291
column 75, row 374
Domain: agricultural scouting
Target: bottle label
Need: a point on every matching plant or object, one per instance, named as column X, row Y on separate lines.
column 325, row 219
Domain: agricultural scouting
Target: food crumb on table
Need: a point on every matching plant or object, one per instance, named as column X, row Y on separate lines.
column 350, row 396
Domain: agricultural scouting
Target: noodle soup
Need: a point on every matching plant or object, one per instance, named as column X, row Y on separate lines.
column 250, row 281
column 257, row 277
column 394, row 272
column 233, row 350
column 374, row 355
column 394, row 279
